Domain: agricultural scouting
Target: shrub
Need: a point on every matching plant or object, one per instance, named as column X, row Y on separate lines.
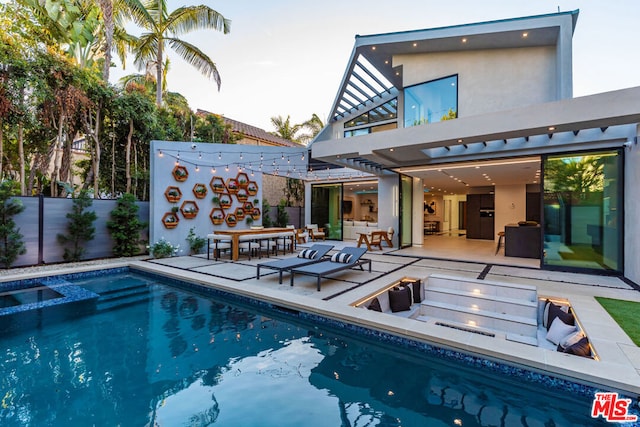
column 266, row 219
column 125, row 227
column 163, row 249
column 80, row 228
column 282, row 217
column 196, row 243
column 11, row 244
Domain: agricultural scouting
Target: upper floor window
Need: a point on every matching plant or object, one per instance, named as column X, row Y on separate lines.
column 386, row 111
column 431, row 102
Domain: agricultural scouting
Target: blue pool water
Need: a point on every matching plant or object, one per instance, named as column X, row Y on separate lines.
column 154, row 354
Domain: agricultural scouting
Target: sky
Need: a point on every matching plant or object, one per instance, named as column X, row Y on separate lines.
column 288, row 57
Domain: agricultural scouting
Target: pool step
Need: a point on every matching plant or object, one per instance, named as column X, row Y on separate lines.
column 118, row 298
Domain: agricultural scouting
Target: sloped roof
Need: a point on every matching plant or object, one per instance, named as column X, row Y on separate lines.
column 372, row 78
column 253, row 131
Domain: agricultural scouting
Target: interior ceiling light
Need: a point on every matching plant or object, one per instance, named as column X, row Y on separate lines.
column 552, row 128
column 373, row 48
column 415, row 44
column 464, row 40
column 525, row 35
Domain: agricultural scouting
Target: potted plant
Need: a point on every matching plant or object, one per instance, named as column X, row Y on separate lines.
column 200, row 191
column 216, row 200
column 249, row 220
column 256, row 202
column 174, row 209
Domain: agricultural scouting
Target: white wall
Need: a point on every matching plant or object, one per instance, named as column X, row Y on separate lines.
column 489, row 80
column 417, row 223
column 632, row 212
column 205, row 156
column 388, row 205
column 510, row 204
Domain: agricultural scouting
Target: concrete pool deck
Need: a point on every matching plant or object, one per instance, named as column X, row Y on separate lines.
column 617, row 367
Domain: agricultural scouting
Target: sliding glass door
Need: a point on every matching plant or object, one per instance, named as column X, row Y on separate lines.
column 326, row 210
column 583, row 199
column 406, row 204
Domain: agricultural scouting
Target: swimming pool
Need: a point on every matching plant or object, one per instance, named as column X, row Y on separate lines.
column 158, row 353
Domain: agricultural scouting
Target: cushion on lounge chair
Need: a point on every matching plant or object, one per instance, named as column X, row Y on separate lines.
column 375, row 305
column 308, row 253
column 341, row 257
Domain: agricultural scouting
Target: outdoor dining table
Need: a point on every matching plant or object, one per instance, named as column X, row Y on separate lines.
column 236, row 234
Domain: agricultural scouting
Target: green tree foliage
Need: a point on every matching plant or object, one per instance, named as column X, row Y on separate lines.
column 125, row 227
column 163, row 29
column 579, row 175
column 284, row 128
column 266, row 217
column 80, row 228
column 282, row 217
column 11, row 244
column 212, row 128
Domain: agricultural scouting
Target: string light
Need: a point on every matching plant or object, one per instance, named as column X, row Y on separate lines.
column 219, row 156
column 213, row 169
column 302, row 158
column 261, row 157
column 240, row 155
column 282, row 156
column 226, row 168
column 160, row 153
column 197, row 168
column 200, row 155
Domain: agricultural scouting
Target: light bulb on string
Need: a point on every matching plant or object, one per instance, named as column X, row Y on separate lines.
column 197, row 168
column 160, row 153
column 213, row 169
column 226, row 168
column 251, row 172
column 260, row 167
column 302, row 158
column 261, row 157
column 288, row 161
column 241, row 156
column 282, row 156
column 200, row 155
column 274, row 163
column 219, row 156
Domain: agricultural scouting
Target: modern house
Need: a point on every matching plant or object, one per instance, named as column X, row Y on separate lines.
column 474, row 128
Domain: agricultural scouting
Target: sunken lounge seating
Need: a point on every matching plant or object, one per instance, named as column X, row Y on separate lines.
column 308, row 256
column 346, row 259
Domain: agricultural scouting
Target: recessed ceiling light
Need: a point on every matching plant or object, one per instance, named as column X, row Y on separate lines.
column 460, row 141
column 373, row 48
column 464, row 40
column 525, row 35
column 390, row 149
column 415, row 44
column 386, row 62
column 397, row 73
column 477, row 167
column 552, row 128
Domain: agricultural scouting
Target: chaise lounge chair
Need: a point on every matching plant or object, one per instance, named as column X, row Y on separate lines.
column 346, row 259
column 288, row 263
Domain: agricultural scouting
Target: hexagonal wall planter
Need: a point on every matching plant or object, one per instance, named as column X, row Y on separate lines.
column 217, row 185
column 231, row 220
column 225, row 201
column 240, row 212
column 200, row 191
column 173, row 194
column 170, row 220
column 217, row 216
column 242, row 179
column 189, row 209
column 252, row 188
column 255, row 214
column 232, row 185
column 247, row 206
column 180, row 173
column 242, row 195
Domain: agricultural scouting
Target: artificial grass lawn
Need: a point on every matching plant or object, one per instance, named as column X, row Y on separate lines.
column 626, row 314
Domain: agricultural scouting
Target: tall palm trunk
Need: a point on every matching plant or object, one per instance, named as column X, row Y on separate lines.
column 23, row 188
column 107, row 14
column 127, row 156
column 159, row 60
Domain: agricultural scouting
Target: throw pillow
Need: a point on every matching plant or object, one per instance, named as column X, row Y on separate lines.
column 581, row 348
column 341, row 257
column 557, row 311
column 308, row 253
column 375, row 305
column 400, row 298
column 571, row 339
column 559, row 330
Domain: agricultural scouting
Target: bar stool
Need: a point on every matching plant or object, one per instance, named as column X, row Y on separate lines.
column 500, row 236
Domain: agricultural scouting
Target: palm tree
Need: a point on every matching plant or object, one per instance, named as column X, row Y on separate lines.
column 314, row 126
column 164, row 29
column 284, row 129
